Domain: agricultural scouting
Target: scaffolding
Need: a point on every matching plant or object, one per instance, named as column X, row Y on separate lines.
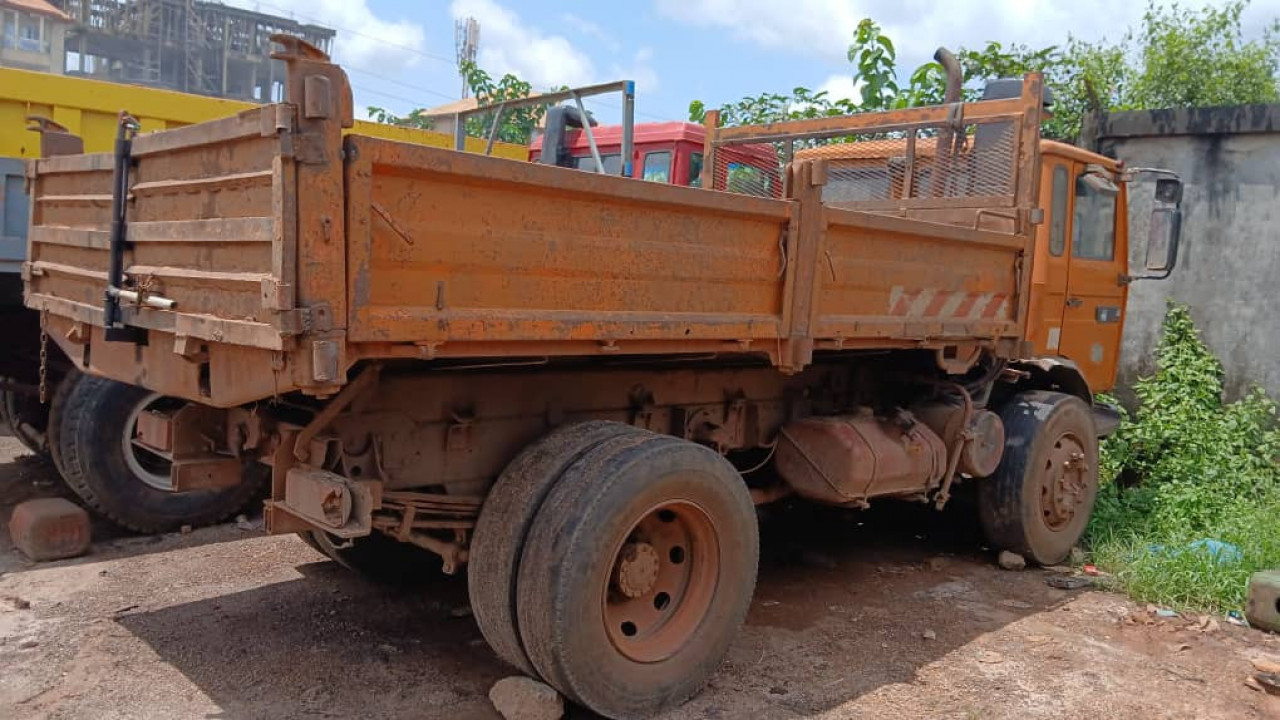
column 198, row 47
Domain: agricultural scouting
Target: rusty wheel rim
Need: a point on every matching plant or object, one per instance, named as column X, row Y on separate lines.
column 147, row 465
column 1064, row 482
column 661, row 581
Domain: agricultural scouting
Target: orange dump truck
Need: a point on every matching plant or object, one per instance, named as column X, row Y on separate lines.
column 579, row 386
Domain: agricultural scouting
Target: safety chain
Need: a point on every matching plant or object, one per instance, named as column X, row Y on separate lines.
column 44, row 358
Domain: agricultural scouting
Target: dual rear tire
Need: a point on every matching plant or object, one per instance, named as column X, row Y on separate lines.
column 616, row 564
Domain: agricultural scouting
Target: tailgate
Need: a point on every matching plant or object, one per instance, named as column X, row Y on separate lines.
column 210, row 226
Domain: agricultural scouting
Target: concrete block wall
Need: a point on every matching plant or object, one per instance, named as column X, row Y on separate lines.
column 1229, row 269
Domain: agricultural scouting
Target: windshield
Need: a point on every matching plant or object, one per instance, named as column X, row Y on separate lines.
column 612, row 163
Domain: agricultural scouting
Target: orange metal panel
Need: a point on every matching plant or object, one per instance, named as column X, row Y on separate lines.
column 202, row 226
column 927, row 279
column 292, row 253
column 449, row 247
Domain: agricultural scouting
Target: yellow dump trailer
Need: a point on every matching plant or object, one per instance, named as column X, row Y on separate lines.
column 88, row 108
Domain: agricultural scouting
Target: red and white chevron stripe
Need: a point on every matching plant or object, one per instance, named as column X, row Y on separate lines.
column 960, row 305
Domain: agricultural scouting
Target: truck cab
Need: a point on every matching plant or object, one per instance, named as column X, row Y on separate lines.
column 668, row 152
column 1080, row 270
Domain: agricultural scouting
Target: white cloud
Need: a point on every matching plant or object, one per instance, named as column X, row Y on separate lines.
column 640, row 70
column 364, row 40
column 841, row 87
column 824, row 28
column 821, row 27
column 589, row 29
column 508, row 44
column 837, row 87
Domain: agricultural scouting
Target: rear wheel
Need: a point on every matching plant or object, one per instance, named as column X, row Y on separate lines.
column 57, row 405
column 1039, row 499
column 637, row 574
column 127, row 483
column 504, row 523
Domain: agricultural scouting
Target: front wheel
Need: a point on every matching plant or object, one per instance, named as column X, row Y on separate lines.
column 1039, row 500
column 637, row 574
column 124, row 481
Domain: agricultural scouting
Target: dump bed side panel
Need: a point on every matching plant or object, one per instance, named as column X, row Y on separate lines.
column 887, row 277
column 476, row 255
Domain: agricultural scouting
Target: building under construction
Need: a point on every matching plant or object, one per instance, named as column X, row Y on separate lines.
column 187, row 45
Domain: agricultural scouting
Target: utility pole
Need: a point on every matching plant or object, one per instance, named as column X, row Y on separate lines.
column 466, row 34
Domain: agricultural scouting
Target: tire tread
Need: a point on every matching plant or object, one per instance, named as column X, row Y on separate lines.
column 94, row 400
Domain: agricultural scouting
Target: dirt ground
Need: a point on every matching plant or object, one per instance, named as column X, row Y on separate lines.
column 888, row 614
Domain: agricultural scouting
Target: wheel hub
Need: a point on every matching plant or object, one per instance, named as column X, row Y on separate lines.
column 636, row 569
column 1063, row 482
column 662, row 581
column 147, row 465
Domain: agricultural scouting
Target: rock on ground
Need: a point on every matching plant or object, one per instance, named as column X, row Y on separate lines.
column 1011, row 561
column 522, row 698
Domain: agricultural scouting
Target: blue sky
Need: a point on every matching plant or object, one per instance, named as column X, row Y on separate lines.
column 400, row 53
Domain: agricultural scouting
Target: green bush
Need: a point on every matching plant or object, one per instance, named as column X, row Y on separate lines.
column 1186, row 467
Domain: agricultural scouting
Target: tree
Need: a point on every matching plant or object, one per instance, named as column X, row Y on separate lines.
column 801, row 104
column 517, row 125
column 874, row 58
column 1177, row 57
column 876, row 62
column 1183, row 57
column 415, row 119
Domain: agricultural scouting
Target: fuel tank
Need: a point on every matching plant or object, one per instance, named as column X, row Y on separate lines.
column 846, row 459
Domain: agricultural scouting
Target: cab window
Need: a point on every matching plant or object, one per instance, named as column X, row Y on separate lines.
column 1058, row 212
column 1094, row 234
column 695, row 169
column 612, row 163
column 657, row 166
column 747, row 180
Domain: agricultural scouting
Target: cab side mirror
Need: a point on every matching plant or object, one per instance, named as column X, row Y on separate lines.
column 1165, row 231
column 1169, row 190
column 1162, row 240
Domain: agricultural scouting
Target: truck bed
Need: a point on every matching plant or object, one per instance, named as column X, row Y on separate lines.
column 293, row 253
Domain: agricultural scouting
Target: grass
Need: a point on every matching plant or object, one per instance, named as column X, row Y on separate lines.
column 1158, row 567
column 1187, row 467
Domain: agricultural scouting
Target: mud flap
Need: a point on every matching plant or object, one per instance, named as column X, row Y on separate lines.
column 1106, row 418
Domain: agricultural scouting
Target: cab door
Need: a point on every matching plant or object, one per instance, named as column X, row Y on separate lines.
column 1097, row 286
column 1051, row 263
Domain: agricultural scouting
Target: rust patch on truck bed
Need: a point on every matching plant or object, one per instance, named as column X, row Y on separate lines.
column 293, row 254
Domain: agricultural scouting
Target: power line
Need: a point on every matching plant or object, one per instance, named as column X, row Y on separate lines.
column 451, row 62
column 389, row 96
column 611, row 106
column 393, row 81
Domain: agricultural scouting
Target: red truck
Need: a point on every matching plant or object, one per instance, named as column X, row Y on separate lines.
column 666, row 152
